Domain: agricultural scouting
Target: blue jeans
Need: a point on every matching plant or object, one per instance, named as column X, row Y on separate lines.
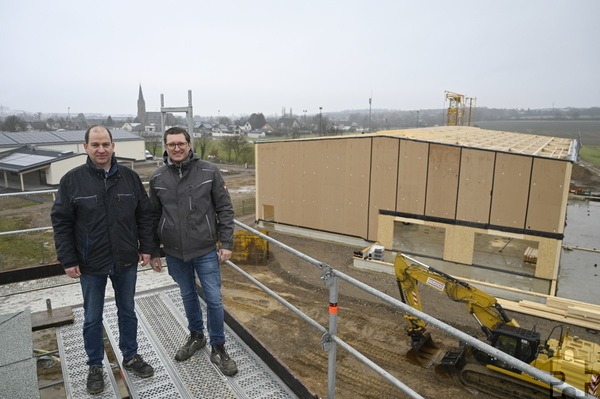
column 93, row 287
column 208, row 270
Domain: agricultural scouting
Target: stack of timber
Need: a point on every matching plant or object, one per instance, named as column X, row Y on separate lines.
column 530, row 255
column 559, row 309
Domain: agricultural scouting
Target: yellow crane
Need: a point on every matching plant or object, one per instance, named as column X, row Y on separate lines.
column 456, row 108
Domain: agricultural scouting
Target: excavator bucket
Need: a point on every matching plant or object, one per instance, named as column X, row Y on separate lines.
column 424, row 352
column 451, row 364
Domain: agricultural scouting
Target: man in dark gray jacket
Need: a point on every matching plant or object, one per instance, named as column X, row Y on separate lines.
column 193, row 216
column 102, row 228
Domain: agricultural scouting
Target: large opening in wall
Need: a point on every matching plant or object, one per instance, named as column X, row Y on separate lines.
column 418, row 239
column 505, row 253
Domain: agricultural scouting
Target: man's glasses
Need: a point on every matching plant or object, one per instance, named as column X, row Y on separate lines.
column 171, row 146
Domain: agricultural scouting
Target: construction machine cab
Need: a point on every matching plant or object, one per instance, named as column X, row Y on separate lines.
column 518, row 342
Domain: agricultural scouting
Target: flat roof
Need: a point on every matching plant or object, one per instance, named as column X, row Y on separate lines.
column 474, row 137
column 495, row 140
column 10, row 139
column 26, row 158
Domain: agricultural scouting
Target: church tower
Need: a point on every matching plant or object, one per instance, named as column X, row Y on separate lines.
column 141, row 108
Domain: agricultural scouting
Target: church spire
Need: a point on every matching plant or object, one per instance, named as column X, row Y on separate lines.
column 141, row 105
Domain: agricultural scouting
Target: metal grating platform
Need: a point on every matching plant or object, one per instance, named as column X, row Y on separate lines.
column 73, row 360
column 161, row 330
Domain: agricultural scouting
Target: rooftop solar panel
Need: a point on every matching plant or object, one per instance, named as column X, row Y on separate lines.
column 71, row 135
column 124, row 135
column 5, row 140
column 25, row 159
column 33, row 137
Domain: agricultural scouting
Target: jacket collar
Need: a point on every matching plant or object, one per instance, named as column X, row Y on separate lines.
column 113, row 167
column 184, row 164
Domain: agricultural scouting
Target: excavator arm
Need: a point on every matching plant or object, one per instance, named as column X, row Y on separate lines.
column 482, row 306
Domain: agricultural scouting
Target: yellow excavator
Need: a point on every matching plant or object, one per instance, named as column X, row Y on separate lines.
column 573, row 360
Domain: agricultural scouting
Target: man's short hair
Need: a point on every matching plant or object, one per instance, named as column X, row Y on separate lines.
column 87, row 132
column 176, row 130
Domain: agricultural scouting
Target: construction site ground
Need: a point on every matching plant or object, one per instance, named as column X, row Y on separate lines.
column 371, row 326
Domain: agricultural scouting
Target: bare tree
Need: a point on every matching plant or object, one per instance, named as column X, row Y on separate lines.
column 153, row 141
column 201, row 145
column 13, row 123
column 234, row 144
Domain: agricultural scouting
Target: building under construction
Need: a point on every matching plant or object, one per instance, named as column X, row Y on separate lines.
column 465, row 181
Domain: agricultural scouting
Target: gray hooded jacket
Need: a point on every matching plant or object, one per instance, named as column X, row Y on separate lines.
column 192, row 210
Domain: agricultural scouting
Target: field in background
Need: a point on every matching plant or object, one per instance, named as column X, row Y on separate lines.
column 591, row 153
column 588, row 131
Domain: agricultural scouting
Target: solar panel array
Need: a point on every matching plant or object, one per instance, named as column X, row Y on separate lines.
column 5, row 140
column 25, row 159
column 24, row 138
column 33, row 137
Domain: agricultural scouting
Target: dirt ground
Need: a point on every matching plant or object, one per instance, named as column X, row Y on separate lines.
column 374, row 328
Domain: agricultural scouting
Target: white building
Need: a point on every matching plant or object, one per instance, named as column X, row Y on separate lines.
column 35, row 160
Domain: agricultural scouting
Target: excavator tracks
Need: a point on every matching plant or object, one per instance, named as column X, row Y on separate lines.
column 498, row 385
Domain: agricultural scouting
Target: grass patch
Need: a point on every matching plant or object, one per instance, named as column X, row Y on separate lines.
column 26, row 249
column 590, row 153
column 16, row 202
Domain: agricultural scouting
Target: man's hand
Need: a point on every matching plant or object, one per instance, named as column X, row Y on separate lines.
column 73, row 272
column 224, row 254
column 144, row 259
column 156, row 264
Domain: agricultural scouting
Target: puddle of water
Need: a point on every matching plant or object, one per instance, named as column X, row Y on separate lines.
column 579, row 273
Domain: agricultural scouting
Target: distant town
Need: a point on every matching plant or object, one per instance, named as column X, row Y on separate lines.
column 290, row 123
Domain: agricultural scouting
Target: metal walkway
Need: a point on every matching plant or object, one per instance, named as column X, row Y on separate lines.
column 161, row 330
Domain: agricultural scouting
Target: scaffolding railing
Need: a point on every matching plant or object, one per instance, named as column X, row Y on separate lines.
column 330, row 340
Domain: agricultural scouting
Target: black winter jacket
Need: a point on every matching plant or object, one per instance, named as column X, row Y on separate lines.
column 101, row 219
column 192, row 208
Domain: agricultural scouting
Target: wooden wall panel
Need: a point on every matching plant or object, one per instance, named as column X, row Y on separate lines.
column 475, row 185
column 442, row 181
column 384, row 177
column 412, row 177
column 268, row 159
column 333, row 161
column 547, row 202
column 356, row 186
column 312, row 189
column 287, row 210
column 511, row 190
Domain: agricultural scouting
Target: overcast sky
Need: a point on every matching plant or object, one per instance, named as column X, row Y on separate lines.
column 245, row 56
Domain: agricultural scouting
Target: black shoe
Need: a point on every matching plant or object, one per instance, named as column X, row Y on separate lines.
column 138, row 366
column 219, row 356
column 195, row 341
column 95, row 380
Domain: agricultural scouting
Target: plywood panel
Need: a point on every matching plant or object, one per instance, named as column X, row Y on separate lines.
column 475, row 185
column 547, row 199
column 312, row 190
column 442, row 181
column 384, row 177
column 412, row 177
column 332, row 204
column 268, row 159
column 287, row 210
column 357, row 185
column 510, row 190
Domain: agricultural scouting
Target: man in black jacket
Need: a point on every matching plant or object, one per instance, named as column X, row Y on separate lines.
column 102, row 229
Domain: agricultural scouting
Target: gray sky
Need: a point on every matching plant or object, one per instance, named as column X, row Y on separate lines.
column 240, row 57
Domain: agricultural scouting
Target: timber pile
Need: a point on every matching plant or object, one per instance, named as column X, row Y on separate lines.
column 530, row 255
column 565, row 310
